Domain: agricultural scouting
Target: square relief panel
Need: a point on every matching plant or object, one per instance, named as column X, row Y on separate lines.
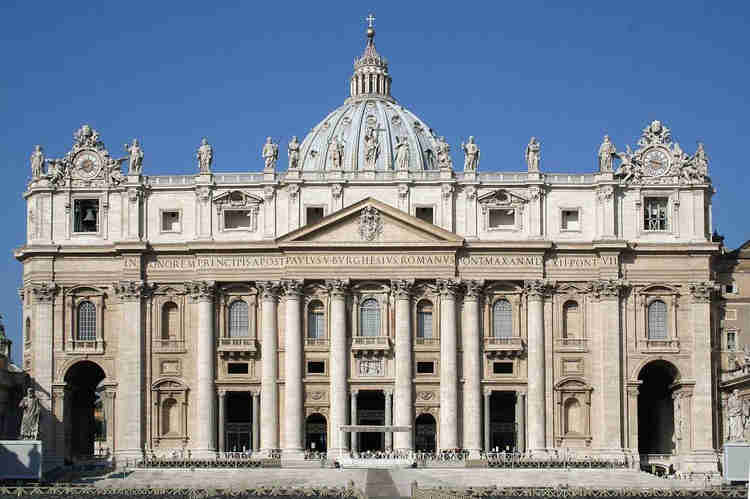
column 572, row 366
column 370, row 367
column 171, row 366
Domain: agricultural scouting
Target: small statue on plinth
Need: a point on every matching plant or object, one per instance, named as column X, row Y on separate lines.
column 471, row 155
column 270, row 154
column 37, row 163
column 205, row 156
column 135, row 161
column 30, row 421
column 532, row 154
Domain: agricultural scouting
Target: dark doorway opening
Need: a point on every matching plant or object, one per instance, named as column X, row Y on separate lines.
column 239, row 423
column 82, row 399
column 656, row 408
column 425, row 433
column 371, row 411
column 316, row 433
column 502, row 421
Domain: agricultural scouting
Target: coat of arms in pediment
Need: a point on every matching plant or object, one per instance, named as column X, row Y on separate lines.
column 370, row 223
column 659, row 160
column 237, row 199
column 501, row 198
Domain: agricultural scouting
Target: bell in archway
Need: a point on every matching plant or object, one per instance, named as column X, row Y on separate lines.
column 90, row 216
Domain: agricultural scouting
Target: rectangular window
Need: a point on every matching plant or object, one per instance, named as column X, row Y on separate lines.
column 237, row 368
column 732, row 340
column 424, row 213
column 237, row 219
column 655, row 214
column 316, row 367
column 170, row 221
column 731, row 288
column 502, row 368
column 502, row 218
column 313, row 214
column 86, row 215
column 569, row 220
column 425, row 368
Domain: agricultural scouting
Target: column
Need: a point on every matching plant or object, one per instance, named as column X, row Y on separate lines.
column 448, row 365
column 354, row 446
column 42, row 364
column 204, row 445
column 403, row 409
column 294, row 424
column 487, row 395
column 610, row 377
column 520, row 422
column 222, row 419
column 269, row 394
column 472, row 364
column 256, row 427
column 388, row 418
column 702, row 417
column 338, row 368
column 130, row 379
column 536, row 407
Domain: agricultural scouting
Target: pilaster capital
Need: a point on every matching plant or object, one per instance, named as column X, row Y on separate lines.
column 701, row 292
column 354, row 392
column 402, row 288
column 109, row 394
column 537, row 289
column 473, row 290
column 487, row 391
column 45, row 291
column 269, row 290
column 448, row 288
column 337, row 287
column 292, row 288
column 131, row 290
column 388, row 392
column 201, row 290
column 222, row 392
column 608, row 288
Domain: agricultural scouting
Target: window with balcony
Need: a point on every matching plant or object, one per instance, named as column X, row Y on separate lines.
column 502, row 319
column 238, row 319
column 86, row 322
column 655, row 214
column 424, row 320
column 369, row 318
column 315, row 321
column 657, row 320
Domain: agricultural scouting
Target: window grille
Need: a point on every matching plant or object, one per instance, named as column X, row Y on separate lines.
column 424, row 320
column 369, row 318
column 657, row 320
column 315, row 321
column 86, row 321
column 238, row 320
column 502, row 319
column 655, row 214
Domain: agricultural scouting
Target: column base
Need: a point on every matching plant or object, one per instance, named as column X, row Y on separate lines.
column 126, row 457
column 292, row 458
column 474, row 454
column 269, row 453
column 701, row 461
column 203, row 454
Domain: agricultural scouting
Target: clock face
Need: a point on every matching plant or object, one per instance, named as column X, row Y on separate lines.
column 87, row 164
column 656, row 162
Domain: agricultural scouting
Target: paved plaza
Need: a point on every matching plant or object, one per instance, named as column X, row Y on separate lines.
column 389, row 483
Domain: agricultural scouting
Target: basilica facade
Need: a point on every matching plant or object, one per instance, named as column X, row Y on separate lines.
column 371, row 281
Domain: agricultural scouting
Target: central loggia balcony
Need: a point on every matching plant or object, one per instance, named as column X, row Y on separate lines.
column 572, row 344
column 85, row 346
column 237, row 347
column 370, row 346
column 511, row 346
column 169, row 345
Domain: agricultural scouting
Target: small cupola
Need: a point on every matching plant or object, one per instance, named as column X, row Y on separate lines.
column 371, row 70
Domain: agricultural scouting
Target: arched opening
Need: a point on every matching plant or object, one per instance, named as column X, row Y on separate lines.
column 369, row 318
column 81, row 399
column 655, row 408
column 316, row 434
column 502, row 319
column 424, row 319
column 315, row 320
column 86, row 321
column 169, row 321
column 571, row 321
column 239, row 319
column 657, row 320
column 425, row 433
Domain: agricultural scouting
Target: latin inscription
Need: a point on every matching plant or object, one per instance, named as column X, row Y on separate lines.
column 582, row 261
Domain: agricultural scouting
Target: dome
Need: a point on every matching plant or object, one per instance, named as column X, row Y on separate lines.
column 370, row 129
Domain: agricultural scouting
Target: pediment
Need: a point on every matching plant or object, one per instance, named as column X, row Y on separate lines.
column 501, row 197
column 237, row 198
column 371, row 223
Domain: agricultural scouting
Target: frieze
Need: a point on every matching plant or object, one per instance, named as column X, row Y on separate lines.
column 201, row 290
column 571, row 262
column 131, row 290
column 44, row 291
column 702, row 291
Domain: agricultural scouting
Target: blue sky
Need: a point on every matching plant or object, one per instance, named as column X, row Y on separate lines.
column 169, row 73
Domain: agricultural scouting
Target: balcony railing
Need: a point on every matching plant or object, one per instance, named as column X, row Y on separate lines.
column 370, row 345
column 660, row 346
column 86, row 346
column 237, row 346
column 503, row 347
column 572, row 344
column 427, row 341
column 168, row 345
column 316, row 342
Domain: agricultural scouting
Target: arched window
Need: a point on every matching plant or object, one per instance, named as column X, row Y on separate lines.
column 86, row 321
column 571, row 320
column 315, row 320
column 170, row 417
column 424, row 319
column 502, row 319
column 369, row 318
column 657, row 320
column 572, row 417
column 238, row 320
column 170, row 326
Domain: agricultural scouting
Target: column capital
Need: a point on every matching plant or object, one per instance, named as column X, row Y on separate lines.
column 448, row 287
column 354, row 392
column 132, row 290
column 337, row 287
column 269, row 290
column 292, row 288
column 537, row 289
column 488, row 391
column 388, row 391
column 607, row 289
column 473, row 289
column 201, row 290
column 44, row 291
column 402, row 288
column 701, row 292
column 221, row 392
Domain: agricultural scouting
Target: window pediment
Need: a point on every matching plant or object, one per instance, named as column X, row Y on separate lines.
column 237, row 199
column 573, row 384
column 501, row 198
